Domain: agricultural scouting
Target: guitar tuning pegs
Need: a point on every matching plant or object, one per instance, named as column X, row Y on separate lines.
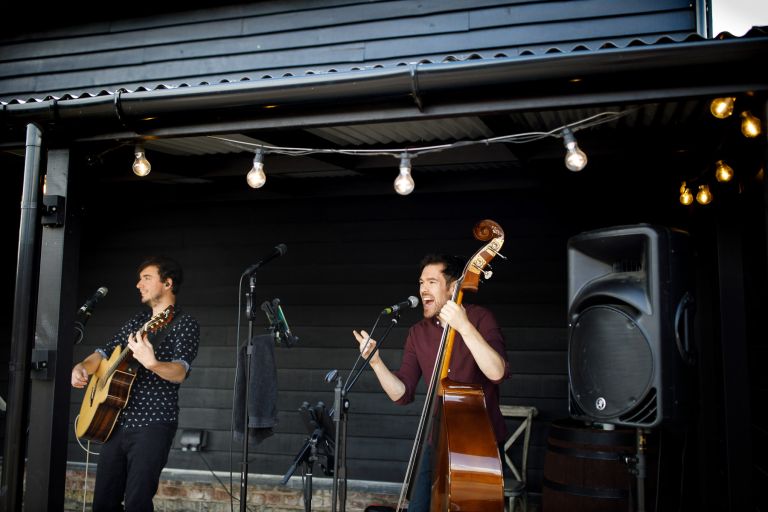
column 501, row 256
column 487, row 273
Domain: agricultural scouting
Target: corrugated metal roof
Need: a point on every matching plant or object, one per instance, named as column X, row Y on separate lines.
column 528, row 51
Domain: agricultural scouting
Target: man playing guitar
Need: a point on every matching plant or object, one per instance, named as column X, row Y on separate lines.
column 140, row 436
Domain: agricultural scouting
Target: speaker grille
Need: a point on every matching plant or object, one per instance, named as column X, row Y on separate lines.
column 610, row 363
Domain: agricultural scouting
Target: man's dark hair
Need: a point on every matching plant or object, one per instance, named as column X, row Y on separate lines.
column 168, row 268
column 454, row 265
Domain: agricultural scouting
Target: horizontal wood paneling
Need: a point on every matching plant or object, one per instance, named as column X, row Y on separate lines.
column 274, row 39
column 343, row 265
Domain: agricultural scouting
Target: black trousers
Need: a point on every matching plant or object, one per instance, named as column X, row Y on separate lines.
column 129, row 467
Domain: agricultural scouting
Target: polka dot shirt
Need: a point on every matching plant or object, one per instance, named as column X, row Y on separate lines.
column 153, row 399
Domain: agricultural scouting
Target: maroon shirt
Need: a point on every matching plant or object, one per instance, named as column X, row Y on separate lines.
column 420, row 353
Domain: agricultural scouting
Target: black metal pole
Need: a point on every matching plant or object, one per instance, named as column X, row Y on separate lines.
column 340, row 408
column 309, row 463
column 24, row 306
column 247, row 377
column 339, row 418
column 641, row 469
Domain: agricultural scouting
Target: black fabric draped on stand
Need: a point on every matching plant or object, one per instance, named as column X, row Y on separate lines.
column 262, row 395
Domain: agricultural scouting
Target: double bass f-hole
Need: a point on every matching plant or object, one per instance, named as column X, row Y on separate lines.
column 466, row 471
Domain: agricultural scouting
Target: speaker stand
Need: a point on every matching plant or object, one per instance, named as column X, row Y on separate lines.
column 637, row 466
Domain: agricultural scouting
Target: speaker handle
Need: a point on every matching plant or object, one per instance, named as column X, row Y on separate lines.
column 684, row 346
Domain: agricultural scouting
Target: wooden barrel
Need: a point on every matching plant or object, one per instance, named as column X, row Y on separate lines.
column 584, row 470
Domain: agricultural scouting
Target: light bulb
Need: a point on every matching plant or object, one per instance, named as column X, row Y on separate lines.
column 723, row 171
column 704, row 196
column 141, row 165
column 575, row 158
column 256, row 177
column 404, row 183
column 686, row 197
column 722, row 107
column 750, row 125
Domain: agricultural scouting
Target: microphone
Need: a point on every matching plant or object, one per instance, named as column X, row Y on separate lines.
column 87, row 308
column 412, row 302
column 84, row 313
column 279, row 250
column 277, row 322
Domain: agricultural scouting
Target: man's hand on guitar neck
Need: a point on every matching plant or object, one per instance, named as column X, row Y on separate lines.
column 142, row 349
column 144, row 353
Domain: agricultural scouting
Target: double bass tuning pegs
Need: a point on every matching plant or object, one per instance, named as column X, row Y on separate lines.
column 487, row 274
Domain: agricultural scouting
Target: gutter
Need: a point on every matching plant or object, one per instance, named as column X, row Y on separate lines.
column 730, row 65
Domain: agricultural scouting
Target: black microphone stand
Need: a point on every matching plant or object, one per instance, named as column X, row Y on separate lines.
column 81, row 319
column 247, row 375
column 340, row 409
column 307, row 455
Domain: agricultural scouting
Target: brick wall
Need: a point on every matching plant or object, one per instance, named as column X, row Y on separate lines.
column 201, row 492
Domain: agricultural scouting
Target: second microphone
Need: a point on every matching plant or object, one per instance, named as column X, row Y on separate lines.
column 411, row 302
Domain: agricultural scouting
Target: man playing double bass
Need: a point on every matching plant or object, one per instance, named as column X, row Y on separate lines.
column 479, row 354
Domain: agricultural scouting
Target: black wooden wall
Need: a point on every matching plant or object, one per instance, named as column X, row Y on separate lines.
column 146, row 45
column 352, row 250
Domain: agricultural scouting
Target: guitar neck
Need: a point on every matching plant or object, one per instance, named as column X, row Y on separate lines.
column 156, row 322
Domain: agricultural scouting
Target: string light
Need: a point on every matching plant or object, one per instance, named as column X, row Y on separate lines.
column 723, row 172
column 722, row 108
column 686, row 198
column 141, row 166
column 404, row 183
column 575, row 158
column 750, row 125
column 704, row 196
column 256, row 177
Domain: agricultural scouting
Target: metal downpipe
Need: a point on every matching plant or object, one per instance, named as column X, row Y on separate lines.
column 24, row 312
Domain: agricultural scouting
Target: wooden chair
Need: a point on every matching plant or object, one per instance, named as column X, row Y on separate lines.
column 515, row 484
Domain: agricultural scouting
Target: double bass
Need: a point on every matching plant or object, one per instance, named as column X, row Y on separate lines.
column 466, row 467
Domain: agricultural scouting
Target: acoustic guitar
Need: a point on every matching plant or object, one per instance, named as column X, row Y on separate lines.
column 110, row 386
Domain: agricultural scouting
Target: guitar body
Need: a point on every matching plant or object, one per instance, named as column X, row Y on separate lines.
column 105, row 397
column 110, row 386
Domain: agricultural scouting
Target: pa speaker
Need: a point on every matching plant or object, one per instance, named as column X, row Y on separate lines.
column 630, row 310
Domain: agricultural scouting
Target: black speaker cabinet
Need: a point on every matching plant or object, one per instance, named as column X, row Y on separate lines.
column 629, row 321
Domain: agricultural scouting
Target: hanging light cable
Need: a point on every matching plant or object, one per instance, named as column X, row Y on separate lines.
column 141, row 165
column 404, row 183
column 256, row 177
column 575, row 158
